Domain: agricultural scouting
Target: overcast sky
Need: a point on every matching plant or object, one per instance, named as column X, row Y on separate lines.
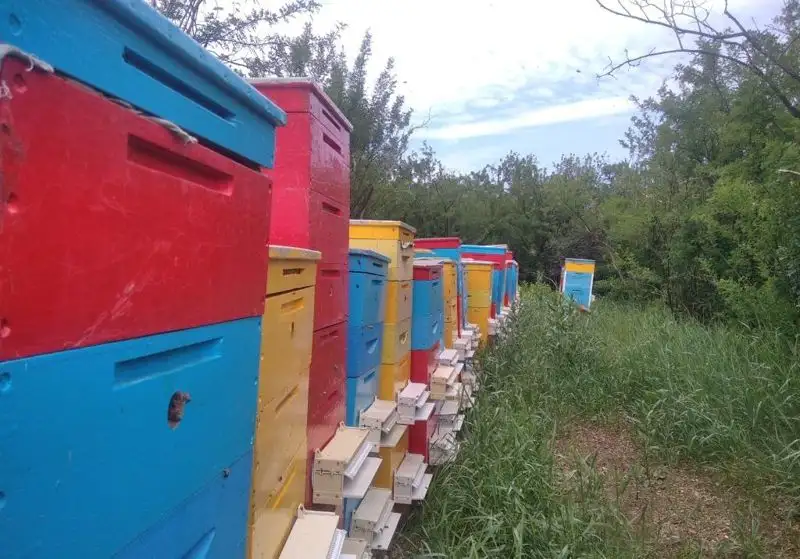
column 502, row 75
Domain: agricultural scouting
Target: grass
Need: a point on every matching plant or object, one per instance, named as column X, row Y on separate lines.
column 719, row 399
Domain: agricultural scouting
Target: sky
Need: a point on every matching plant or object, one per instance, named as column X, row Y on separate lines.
column 492, row 76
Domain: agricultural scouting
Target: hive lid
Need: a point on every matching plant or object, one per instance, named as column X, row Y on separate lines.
column 307, row 84
column 354, row 548
column 357, row 486
column 414, row 392
column 448, row 410
column 314, row 535
column 392, row 438
column 382, row 414
column 375, row 507
column 420, row 491
column 279, row 252
column 382, row 223
column 411, row 469
column 384, row 539
column 425, row 412
column 448, row 357
column 348, row 448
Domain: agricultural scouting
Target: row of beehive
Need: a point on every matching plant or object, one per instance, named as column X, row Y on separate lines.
column 158, row 399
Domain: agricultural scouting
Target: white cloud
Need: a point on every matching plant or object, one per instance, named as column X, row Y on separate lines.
column 555, row 114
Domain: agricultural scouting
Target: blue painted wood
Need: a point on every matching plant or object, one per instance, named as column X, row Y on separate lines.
column 350, row 506
column 211, row 524
column 578, row 287
column 366, row 299
column 427, row 314
column 127, row 50
column 88, row 460
column 368, row 262
column 361, row 392
column 364, row 344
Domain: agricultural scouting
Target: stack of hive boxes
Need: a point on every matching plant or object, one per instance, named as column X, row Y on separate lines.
column 479, row 294
column 496, row 254
column 280, row 454
column 427, row 320
column 311, row 207
column 132, row 285
column 515, row 282
column 395, row 240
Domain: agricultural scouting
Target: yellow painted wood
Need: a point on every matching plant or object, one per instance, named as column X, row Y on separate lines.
column 398, row 300
column 381, row 229
column 479, row 276
column 393, row 378
column 479, row 298
column 450, row 310
column 291, row 268
column 450, row 329
column 392, row 457
column 450, row 279
column 480, row 316
column 279, row 453
column 396, row 341
column 401, row 254
column 582, row 267
column 272, row 523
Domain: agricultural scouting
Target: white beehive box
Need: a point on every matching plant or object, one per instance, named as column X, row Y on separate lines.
column 314, row 535
column 373, row 520
column 410, row 480
column 344, row 468
column 380, row 418
column 413, row 396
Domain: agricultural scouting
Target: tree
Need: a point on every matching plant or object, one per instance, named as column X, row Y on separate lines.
column 240, row 34
column 770, row 54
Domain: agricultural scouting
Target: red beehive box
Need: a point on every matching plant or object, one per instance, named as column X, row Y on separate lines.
column 111, row 227
column 423, row 364
column 438, row 242
column 326, row 389
column 420, row 435
column 311, row 201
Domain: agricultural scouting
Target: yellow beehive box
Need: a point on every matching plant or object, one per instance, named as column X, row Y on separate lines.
column 396, row 341
column 479, row 275
column 393, row 378
column 394, row 239
column 479, row 299
column 279, row 453
column 398, row 300
column 451, row 310
column 450, row 331
column 480, row 317
column 272, row 523
column 391, row 458
column 450, row 279
column 291, row 268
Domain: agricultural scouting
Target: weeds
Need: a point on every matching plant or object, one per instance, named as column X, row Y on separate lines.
column 720, row 399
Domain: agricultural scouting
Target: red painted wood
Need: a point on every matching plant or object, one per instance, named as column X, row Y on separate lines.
column 427, row 270
column 304, row 218
column 326, row 389
column 331, row 295
column 420, row 435
column 438, row 242
column 423, row 364
column 112, row 228
column 313, row 149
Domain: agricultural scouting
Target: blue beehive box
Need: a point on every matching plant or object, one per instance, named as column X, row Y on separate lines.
column 368, row 273
column 99, row 444
column 211, row 524
column 577, row 278
column 127, row 50
column 427, row 311
column 361, row 392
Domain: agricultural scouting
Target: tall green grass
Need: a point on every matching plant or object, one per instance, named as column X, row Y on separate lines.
column 721, row 398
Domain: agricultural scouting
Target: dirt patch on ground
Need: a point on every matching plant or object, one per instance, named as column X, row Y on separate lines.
column 677, row 512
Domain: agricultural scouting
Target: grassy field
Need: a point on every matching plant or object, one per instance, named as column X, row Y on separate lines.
column 622, row 433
